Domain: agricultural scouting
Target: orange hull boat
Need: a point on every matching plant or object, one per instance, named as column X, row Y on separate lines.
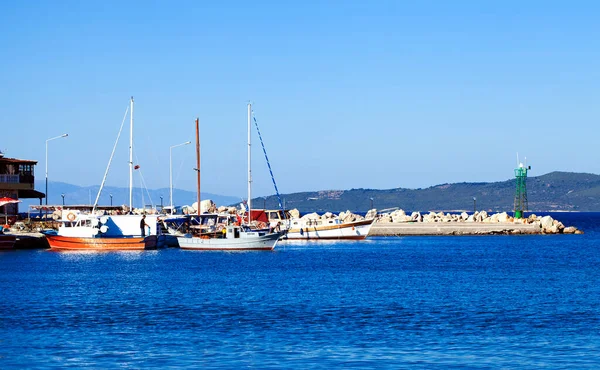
column 58, row 242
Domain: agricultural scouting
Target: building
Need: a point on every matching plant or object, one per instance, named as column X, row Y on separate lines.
column 17, row 182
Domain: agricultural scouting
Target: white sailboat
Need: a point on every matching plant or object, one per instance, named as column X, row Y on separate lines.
column 223, row 232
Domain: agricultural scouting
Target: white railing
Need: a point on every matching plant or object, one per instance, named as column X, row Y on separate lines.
column 9, row 179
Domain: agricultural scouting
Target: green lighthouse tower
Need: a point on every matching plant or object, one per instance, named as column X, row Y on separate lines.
column 521, row 192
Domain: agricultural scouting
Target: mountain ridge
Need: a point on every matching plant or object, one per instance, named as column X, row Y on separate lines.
column 555, row 191
column 78, row 195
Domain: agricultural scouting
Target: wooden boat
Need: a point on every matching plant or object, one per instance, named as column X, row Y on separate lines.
column 312, row 228
column 221, row 232
column 79, row 231
column 7, row 241
column 316, row 229
column 64, row 243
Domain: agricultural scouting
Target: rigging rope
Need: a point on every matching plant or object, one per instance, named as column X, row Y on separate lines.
column 143, row 185
column 109, row 162
column 268, row 163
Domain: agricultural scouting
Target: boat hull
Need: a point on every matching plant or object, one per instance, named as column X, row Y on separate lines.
column 263, row 242
column 348, row 231
column 66, row 243
column 7, row 242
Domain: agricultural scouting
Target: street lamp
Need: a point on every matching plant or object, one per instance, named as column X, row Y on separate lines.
column 474, row 204
column 171, row 171
column 63, row 196
column 52, row 138
column 371, row 199
column 110, row 199
column 161, row 203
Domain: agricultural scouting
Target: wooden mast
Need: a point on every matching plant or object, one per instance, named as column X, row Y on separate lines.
column 198, row 161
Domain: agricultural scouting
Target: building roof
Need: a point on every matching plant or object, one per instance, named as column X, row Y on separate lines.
column 16, row 160
column 30, row 194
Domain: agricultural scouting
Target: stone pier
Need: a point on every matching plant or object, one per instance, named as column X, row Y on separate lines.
column 438, row 228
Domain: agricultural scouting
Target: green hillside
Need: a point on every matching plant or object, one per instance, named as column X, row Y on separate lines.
column 556, row 191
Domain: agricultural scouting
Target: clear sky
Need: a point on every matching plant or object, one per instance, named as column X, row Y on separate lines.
column 348, row 94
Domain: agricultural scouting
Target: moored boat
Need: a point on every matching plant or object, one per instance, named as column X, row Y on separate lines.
column 222, row 232
column 79, row 231
column 315, row 229
column 122, row 243
column 7, row 241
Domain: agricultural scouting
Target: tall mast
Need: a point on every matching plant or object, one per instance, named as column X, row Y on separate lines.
column 131, row 158
column 249, row 166
column 198, row 161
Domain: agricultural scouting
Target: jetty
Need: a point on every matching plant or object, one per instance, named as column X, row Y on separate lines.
column 398, row 223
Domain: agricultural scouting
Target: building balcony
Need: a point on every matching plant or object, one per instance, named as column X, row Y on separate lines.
column 9, row 179
column 16, row 182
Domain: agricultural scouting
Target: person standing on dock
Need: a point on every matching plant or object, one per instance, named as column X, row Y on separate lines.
column 143, row 226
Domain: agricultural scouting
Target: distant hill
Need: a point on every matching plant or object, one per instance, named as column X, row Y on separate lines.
column 87, row 195
column 555, row 191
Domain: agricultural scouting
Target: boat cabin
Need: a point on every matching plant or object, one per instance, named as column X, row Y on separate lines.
column 270, row 216
column 204, row 224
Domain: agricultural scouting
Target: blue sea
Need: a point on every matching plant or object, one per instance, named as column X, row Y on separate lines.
column 398, row 302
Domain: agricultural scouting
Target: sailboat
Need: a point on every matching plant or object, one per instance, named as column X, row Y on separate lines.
column 219, row 232
column 79, row 231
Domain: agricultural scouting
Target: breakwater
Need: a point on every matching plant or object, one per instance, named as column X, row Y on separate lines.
column 398, row 223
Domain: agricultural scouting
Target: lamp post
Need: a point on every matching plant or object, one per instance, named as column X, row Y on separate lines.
column 371, row 199
column 161, row 203
column 171, row 172
column 52, row 138
column 63, row 196
column 474, row 204
column 110, row 199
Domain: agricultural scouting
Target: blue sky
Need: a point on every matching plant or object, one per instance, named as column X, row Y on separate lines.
column 348, row 94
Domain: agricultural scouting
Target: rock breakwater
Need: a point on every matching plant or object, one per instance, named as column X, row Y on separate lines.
column 478, row 223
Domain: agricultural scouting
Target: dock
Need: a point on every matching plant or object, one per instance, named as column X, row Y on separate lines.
column 454, row 228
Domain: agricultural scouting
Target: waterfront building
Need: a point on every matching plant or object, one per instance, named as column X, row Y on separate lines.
column 17, row 182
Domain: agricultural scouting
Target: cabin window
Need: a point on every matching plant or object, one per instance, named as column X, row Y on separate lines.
column 273, row 215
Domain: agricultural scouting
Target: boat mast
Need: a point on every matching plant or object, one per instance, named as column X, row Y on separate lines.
column 131, row 158
column 198, row 161
column 249, row 166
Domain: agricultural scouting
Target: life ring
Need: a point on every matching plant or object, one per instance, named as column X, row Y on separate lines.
column 71, row 216
column 261, row 225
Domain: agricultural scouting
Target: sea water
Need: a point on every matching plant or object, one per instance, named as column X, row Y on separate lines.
column 419, row 302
